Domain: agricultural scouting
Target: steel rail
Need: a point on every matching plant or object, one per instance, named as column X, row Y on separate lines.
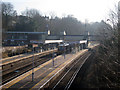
column 74, row 74
column 28, row 67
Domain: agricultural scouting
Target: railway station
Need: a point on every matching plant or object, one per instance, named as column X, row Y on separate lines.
column 42, row 60
column 48, row 57
column 59, row 45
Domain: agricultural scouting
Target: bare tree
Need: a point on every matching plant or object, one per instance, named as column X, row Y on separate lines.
column 8, row 13
column 108, row 62
column 31, row 13
column 52, row 14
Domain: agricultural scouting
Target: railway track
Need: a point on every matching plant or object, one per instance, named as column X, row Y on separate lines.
column 65, row 80
column 20, row 71
column 17, row 67
column 15, row 64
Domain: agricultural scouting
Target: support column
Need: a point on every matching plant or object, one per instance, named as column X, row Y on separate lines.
column 81, row 46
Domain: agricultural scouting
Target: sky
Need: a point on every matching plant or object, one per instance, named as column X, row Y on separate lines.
column 90, row 10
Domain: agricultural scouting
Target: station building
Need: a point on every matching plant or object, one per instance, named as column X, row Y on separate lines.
column 25, row 38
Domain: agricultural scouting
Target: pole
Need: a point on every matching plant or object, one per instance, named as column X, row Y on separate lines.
column 19, row 50
column 53, row 55
column 33, row 67
column 53, row 58
column 64, row 46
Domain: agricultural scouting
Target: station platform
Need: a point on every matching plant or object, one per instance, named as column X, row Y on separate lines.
column 43, row 73
column 22, row 56
column 13, row 58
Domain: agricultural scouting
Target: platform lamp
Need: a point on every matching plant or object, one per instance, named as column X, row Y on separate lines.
column 33, row 62
column 53, row 58
column 33, row 65
column 19, row 49
column 64, row 33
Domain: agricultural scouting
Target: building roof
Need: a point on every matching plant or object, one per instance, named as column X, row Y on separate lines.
column 29, row 32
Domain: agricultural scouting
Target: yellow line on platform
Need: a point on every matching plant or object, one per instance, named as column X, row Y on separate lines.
column 11, row 57
column 9, row 84
column 36, row 77
column 65, row 63
column 28, row 57
column 14, row 81
column 47, row 75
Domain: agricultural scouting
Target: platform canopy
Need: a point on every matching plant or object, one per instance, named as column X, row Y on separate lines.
column 53, row 41
column 65, row 44
column 83, row 41
column 78, row 42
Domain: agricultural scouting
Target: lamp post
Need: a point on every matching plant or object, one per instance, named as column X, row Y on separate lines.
column 33, row 62
column 33, row 66
column 19, row 50
column 64, row 42
column 53, row 58
column 14, row 50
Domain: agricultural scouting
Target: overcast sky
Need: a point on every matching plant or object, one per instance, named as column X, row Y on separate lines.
column 92, row 10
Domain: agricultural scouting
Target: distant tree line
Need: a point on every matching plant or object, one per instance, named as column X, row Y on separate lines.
column 32, row 21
